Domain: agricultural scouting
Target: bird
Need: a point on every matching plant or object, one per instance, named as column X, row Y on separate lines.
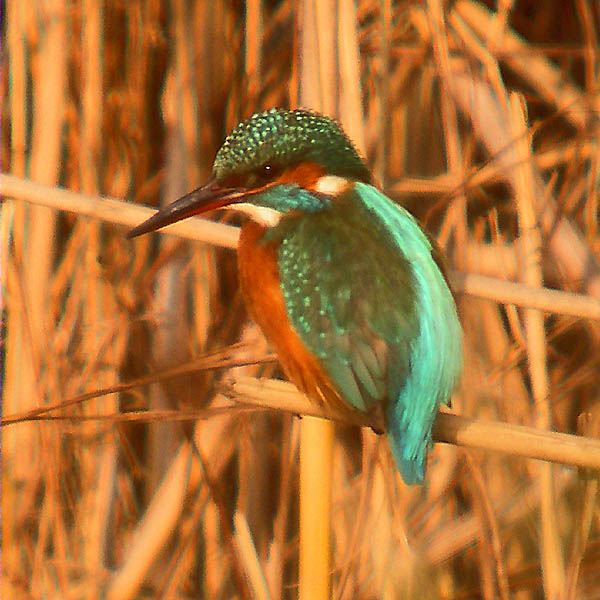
column 344, row 283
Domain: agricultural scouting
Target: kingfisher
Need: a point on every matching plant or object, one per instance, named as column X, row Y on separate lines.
column 345, row 285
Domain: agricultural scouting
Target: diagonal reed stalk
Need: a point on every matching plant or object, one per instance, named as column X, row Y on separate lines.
column 226, row 236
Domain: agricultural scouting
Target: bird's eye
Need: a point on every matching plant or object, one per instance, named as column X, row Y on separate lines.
column 264, row 174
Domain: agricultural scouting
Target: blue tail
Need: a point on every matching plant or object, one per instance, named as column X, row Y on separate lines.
column 409, row 447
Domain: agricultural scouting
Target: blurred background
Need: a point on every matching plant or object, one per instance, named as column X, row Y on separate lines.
column 482, row 118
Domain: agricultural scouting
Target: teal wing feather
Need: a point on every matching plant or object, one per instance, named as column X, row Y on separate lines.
column 436, row 352
column 349, row 295
column 364, row 294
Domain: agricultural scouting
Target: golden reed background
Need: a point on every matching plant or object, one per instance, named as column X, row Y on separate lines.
column 131, row 100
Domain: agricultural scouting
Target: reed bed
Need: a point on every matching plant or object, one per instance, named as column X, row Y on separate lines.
column 146, row 447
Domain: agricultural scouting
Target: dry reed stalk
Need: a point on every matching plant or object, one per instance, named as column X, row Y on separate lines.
column 123, row 213
column 456, row 212
column 491, row 172
column 249, row 558
column 255, row 484
column 565, row 243
column 154, row 529
column 216, row 571
column 16, row 38
column 276, row 562
column 492, row 260
column 181, row 563
column 530, row 246
column 316, row 437
column 491, row 529
column 381, row 102
column 158, row 524
column 253, row 49
column 512, row 398
column 28, row 320
column 540, row 73
column 97, row 471
column 317, row 90
column 592, row 84
column 592, row 204
column 115, row 211
column 514, row 440
column 16, row 28
column 169, row 284
column 542, row 299
column 587, row 505
column 229, row 357
column 351, row 560
column 350, row 111
column 459, row 534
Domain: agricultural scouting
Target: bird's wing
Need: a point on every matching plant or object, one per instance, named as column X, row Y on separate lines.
column 364, row 293
column 436, row 353
column 350, row 295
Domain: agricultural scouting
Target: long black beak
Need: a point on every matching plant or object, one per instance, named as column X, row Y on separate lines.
column 203, row 199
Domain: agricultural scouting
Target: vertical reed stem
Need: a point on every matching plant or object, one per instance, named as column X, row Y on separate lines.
column 318, row 90
column 531, row 243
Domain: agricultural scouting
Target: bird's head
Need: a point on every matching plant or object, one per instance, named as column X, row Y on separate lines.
column 276, row 162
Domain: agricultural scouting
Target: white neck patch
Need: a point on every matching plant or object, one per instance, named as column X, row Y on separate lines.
column 269, row 217
column 331, row 185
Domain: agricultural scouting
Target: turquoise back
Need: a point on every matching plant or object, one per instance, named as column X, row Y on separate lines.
column 436, row 352
column 363, row 292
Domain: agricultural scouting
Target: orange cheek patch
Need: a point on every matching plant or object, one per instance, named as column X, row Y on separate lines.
column 304, row 174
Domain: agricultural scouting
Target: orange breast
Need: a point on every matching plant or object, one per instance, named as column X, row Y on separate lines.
column 259, row 278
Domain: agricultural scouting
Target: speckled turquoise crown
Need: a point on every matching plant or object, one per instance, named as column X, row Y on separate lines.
column 281, row 138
